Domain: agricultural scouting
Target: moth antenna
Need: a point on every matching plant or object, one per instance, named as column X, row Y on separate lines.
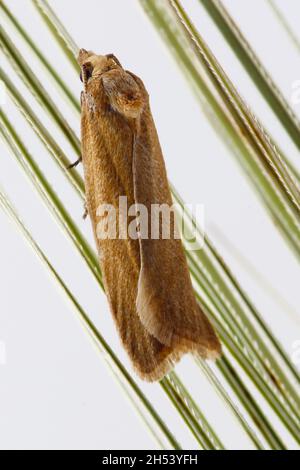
column 73, row 165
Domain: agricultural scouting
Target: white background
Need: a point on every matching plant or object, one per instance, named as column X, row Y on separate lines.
column 55, row 391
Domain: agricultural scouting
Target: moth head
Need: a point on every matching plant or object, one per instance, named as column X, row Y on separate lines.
column 93, row 65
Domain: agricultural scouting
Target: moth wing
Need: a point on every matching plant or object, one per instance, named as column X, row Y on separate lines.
column 107, row 174
column 166, row 302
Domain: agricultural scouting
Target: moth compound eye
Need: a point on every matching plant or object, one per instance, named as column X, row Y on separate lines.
column 86, row 73
column 87, row 70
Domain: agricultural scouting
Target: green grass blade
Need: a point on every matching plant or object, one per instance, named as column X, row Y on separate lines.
column 136, row 396
column 284, row 23
column 93, row 263
column 280, row 396
column 56, row 207
column 58, row 152
column 259, row 278
column 6, row 13
column 210, row 440
column 244, row 119
column 233, row 315
column 273, row 195
column 58, row 31
column 224, row 281
column 246, row 55
column 55, row 150
column 261, row 382
column 238, row 334
column 260, row 379
column 62, row 33
column 35, row 86
column 250, row 405
column 248, row 402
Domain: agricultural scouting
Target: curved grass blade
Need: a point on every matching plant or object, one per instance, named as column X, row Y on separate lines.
column 262, row 370
column 280, row 395
column 232, row 326
column 253, row 339
column 207, row 57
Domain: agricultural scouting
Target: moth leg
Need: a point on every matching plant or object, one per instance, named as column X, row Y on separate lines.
column 86, row 212
column 73, row 165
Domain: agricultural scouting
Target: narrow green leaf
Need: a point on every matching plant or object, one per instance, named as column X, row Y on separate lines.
column 246, row 55
column 59, row 32
column 231, row 140
column 55, row 150
column 6, row 13
column 245, row 397
column 284, row 23
column 134, row 393
column 35, row 86
column 210, row 440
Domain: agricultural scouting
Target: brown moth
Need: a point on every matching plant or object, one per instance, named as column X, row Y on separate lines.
column 147, row 281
